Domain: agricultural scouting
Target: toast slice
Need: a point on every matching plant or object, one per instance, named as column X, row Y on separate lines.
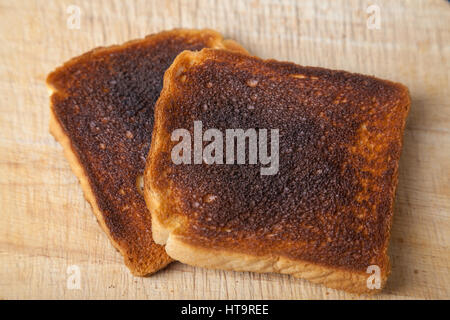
column 325, row 215
column 102, row 114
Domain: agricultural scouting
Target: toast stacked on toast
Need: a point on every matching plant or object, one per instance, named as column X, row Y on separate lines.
column 320, row 209
column 102, row 114
column 325, row 215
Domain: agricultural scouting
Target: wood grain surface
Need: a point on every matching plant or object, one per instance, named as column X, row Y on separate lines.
column 46, row 225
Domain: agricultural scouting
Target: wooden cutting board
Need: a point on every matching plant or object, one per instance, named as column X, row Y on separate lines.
column 48, row 234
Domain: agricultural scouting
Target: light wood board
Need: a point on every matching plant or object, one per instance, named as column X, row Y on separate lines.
column 45, row 223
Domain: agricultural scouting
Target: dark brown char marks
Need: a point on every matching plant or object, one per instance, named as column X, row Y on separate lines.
column 340, row 140
column 104, row 101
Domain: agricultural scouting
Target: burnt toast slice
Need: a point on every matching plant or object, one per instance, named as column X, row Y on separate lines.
column 102, row 114
column 325, row 215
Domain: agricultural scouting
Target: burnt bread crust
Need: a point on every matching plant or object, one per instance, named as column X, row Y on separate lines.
column 102, row 113
column 326, row 215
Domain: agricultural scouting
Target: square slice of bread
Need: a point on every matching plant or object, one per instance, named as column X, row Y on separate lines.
column 102, row 114
column 325, row 216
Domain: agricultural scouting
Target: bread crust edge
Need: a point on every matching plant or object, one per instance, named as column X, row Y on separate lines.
column 352, row 282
